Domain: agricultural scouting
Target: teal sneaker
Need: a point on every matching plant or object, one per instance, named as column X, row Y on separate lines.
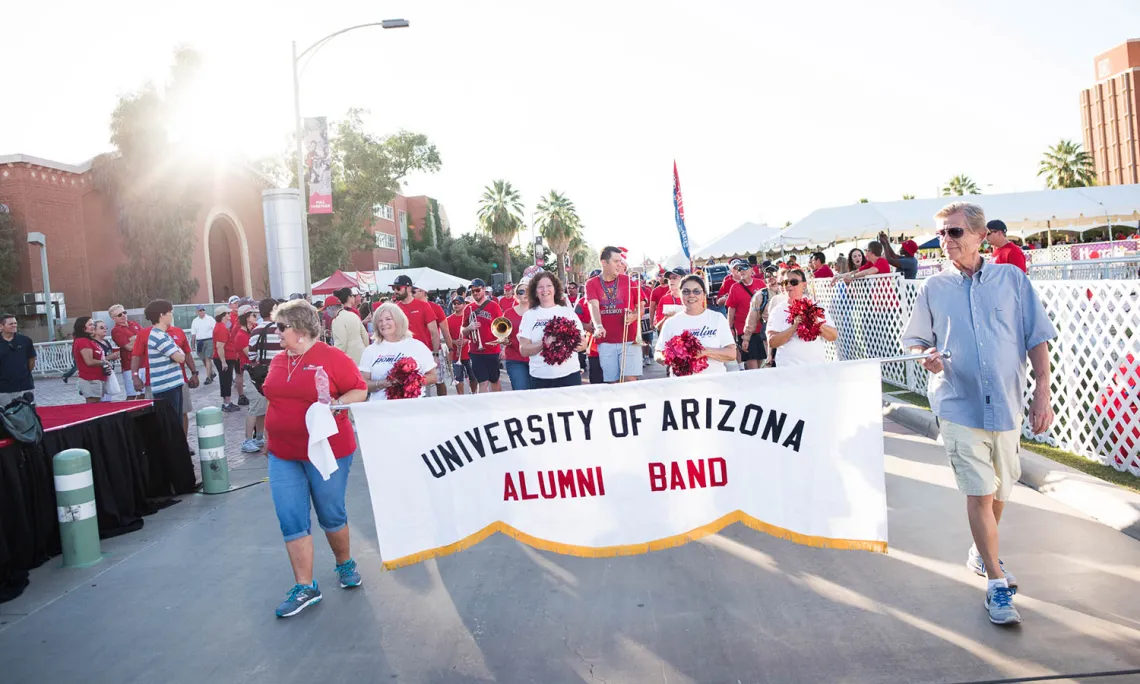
column 348, row 575
column 999, row 604
column 300, row 597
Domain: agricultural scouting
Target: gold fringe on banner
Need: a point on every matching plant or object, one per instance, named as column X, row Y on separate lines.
column 636, row 549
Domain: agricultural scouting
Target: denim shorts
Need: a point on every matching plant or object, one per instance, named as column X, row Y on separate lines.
column 295, row 483
column 519, row 373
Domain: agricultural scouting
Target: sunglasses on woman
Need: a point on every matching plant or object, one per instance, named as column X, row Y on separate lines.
column 282, row 327
column 953, row 233
column 791, row 282
column 690, row 292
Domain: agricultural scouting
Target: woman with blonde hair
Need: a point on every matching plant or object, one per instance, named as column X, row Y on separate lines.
column 393, row 341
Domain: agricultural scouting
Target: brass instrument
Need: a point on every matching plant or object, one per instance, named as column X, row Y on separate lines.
column 475, row 335
column 501, row 327
column 639, row 342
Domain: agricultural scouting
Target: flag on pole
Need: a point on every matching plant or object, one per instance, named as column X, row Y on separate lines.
column 679, row 212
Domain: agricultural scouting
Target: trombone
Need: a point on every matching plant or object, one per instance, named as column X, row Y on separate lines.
column 501, row 327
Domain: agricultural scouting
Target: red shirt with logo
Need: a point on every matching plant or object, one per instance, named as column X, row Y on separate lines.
column 740, row 299
column 291, row 389
column 419, row 315
column 614, row 298
column 1010, row 253
column 485, row 316
column 512, row 352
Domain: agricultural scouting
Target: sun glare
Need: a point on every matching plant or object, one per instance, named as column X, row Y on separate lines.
column 210, row 119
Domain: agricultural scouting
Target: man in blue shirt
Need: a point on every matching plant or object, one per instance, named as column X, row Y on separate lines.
column 164, row 356
column 989, row 318
column 17, row 359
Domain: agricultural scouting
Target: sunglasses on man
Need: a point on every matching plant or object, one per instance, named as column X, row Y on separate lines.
column 953, row 233
column 791, row 282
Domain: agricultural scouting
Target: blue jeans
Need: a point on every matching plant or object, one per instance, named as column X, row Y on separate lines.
column 172, row 397
column 295, row 483
column 519, row 373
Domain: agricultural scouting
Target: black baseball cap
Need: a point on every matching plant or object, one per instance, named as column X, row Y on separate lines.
column 595, row 273
column 996, row 224
column 478, row 282
column 677, row 272
column 402, row 281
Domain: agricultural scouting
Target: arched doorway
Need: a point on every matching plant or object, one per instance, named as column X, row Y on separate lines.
column 224, row 259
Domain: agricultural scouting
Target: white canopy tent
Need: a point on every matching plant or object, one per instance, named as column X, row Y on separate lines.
column 1024, row 213
column 381, row 281
column 748, row 238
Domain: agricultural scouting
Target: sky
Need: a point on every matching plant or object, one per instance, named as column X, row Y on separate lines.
column 770, row 109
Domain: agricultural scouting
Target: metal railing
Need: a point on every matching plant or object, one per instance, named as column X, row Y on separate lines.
column 1120, row 268
column 53, row 359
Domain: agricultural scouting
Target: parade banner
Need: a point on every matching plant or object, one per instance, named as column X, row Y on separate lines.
column 318, row 165
column 679, row 214
column 625, row 469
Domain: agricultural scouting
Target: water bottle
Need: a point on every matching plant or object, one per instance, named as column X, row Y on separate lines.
column 322, row 380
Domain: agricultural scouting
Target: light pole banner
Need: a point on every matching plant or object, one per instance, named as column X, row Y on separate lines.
column 318, row 164
column 626, row 469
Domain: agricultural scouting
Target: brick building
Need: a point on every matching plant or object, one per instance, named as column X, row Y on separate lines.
column 398, row 227
column 1108, row 115
column 85, row 247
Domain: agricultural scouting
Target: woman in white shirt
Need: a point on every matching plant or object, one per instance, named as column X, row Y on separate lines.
column 710, row 327
column 544, row 294
column 782, row 336
column 392, row 342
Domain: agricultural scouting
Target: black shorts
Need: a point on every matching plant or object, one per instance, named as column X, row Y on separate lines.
column 755, row 348
column 571, row 380
column 485, row 367
column 596, row 375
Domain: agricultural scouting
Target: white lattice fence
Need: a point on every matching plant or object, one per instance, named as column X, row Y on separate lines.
column 1095, row 358
column 54, row 359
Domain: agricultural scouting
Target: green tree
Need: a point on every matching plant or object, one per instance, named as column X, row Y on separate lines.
column 9, row 255
column 469, row 256
column 907, row 197
column 501, row 216
column 960, row 185
column 1066, row 165
column 153, row 190
column 558, row 223
column 863, row 200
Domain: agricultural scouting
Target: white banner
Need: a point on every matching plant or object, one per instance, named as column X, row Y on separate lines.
column 624, row 469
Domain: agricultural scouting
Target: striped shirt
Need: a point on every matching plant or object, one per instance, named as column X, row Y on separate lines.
column 165, row 374
column 272, row 341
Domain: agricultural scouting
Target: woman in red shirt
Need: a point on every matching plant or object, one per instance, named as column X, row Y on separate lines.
column 89, row 359
column 309, row 371
column 225, row 356
column 518, row 366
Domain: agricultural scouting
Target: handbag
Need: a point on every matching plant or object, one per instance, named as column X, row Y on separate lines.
column 20, row 420
column 260, row 370
column 111, row 385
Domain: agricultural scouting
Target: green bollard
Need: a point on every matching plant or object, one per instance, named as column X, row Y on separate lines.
column 75, row 504
column 212, row 450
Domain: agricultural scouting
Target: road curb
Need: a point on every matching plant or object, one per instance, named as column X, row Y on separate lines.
column 1102, row 501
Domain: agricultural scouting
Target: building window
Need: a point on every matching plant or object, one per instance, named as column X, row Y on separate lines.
column 385, row 241
column 384, row 266
column 403, row 223
column 383, row 211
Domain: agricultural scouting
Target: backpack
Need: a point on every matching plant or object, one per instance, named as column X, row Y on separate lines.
column 259, row 370
column 20, row 420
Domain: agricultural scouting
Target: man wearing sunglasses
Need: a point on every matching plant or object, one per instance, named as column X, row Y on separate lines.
column 738, row 303
column 17, row 359
column 123, row 334
column 1005, row 251
column 484, row 350
column 989, row 318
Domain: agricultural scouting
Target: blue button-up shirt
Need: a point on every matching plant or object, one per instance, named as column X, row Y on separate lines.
column 988, row 321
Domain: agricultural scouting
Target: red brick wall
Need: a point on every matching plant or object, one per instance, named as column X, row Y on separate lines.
column 368, row 260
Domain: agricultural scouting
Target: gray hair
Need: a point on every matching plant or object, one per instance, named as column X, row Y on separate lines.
column 300, row 316
column 115, row 309
column 975, row 215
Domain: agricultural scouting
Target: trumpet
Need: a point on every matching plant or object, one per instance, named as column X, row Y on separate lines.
column 475, row 335
column 501, row 327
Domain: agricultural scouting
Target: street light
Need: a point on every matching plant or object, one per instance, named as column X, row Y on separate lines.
column 387, row 24
column 41, row 240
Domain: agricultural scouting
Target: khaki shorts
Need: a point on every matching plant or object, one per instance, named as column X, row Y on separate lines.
column 258, row 404
column 187, row 402
column 90, row 389
column 984, row 462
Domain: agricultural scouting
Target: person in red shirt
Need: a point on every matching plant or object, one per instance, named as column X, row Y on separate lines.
column 573, row 296
column 876, row 264
column 655, row 297
column 738, row 304
column 307, row 372
column 225, row 357
column 1005, row 251
column 89, row 360
column 440, row 315
column 612, row 300
column 725, row 288
column 123, row 334
column 477, row 317
column 421, row 319
column 592, row 366
column 460, row 353
column 517, row 365
column 671, row 297
column 139, row 364
column 819, row 267
column 508, row 299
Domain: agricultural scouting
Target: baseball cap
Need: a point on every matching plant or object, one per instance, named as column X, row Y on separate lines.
column 595, row 273
column 478, row 282
column 221, row 309
column 508, row 286
column 332, row 301
column 739, row 263
column 234, row 299
column 910, row 247
column 242, row 310
column 402, row 281
column 996, row 224
column 201, row 307
column 295, row 296
column 677, row 272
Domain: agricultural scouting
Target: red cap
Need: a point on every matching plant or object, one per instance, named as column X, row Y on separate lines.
column 910, row 247
column 332, row 301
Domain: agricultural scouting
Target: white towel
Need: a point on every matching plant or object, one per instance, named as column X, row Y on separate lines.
column 321, row 425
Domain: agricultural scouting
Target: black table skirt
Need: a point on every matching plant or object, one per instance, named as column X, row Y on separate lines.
column 139, row 459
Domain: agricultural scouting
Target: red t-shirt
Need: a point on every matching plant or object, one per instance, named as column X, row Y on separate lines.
column 757, row 273
column 241, row 341
column 659, row 313
column 740, row 298
column 614, row 298
column 87, row 372
column 291, row 389
column 1010, row 253
column 419, row 315
column 823, row 272
column 141, row 352
column 121, row 334
column 512, row 352
column 881, row 265
column 658, row 292
column 440, row 314
column 725, row 286
column 223, row 334
column 454, row 325
column 506, row 301
column 488, row 313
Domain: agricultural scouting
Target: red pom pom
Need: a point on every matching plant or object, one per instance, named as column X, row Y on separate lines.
column 405, row 381
column 566, row 336
column 681, row 354
column 812, row 320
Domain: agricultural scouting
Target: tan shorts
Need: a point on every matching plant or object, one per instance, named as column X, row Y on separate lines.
column 90, row 389
column 258, row 404
column 187, row 402
column 984, row 462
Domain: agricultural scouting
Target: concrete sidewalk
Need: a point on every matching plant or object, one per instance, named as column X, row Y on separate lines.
column 190, row 598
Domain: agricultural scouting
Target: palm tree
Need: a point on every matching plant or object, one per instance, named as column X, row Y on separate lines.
column 907, row 196
column 864, row 200
column 501, row 215
column 961, row 185
column 558, row 222
column 579, row 251
column 1066, row 165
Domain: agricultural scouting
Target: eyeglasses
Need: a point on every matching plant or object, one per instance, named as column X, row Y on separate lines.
column 953, row 233
column 690, row 292
column 791, row 282
column 475, row 290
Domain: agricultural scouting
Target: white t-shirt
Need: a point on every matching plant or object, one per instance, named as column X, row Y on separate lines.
column 379, row 357
column 533, row 327
column 202, row 328
column 796, row 352
column 711, row 328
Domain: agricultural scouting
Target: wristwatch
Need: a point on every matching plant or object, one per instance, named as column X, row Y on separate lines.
column 194, row 373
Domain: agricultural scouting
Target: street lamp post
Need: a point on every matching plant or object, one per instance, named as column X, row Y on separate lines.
column 41, row 240
column 387, row 24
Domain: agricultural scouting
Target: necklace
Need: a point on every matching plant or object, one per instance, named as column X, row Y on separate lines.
column 294, row 365
column 611, row 292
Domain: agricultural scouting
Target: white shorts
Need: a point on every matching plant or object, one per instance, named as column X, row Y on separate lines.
column 609, row 356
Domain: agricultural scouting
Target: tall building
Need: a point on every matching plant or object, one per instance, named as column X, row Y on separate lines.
column 1108, row 115
column 398, row 227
